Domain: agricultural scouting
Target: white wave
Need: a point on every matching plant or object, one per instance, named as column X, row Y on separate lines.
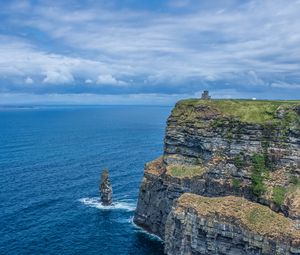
column 95, row 202
column 124, row 220
column 141, row 230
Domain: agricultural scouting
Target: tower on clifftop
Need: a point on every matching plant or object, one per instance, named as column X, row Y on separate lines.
column 205, row 95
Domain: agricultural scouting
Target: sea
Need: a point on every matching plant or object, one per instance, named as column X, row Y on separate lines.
column 51, row 158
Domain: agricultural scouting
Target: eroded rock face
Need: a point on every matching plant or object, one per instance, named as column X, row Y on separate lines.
column 205, row 133
column 224, row 147
column 159, row 190
column 228, row 226
column 105, row 189
column 293, row 203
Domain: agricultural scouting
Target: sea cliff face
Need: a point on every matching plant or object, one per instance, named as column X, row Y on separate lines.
column 220, row 148
column 228, row 225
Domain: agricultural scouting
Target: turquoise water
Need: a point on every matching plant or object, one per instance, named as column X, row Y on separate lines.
column 50, row 164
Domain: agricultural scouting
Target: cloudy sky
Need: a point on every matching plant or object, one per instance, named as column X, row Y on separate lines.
column 147, row 51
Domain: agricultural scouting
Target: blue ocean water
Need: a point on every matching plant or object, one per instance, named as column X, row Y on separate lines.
column 50, row 164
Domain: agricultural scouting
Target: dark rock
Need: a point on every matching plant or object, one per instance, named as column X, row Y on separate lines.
column 224, row 227
column 201, row 135
column 105, row 188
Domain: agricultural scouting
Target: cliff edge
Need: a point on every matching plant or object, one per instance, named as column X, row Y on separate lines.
column 226, row 153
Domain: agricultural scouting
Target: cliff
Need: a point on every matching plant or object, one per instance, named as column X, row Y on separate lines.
column 221, row 148
column 228, row 225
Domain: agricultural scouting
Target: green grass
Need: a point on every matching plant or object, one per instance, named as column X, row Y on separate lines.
column 252, row 111
column 182, row 171
column 255, row 216
column 259, row 217
column 237, row 210
column 236, row 183
column 295, row 184
column 239, row 161
column 279, row 195
column 295, row 180
column 258, row 175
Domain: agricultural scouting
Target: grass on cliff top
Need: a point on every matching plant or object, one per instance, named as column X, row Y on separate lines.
column 239, row 211
column 182, row 171
column 155, row 166
column 252, row 111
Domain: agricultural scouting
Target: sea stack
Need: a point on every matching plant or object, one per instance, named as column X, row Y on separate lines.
column 105, row 188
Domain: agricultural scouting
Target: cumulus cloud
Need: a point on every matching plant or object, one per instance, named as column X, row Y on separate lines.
column 19, row 58
column 108, row 79
column 29, row 80
column 185, row 46
column 58, row 77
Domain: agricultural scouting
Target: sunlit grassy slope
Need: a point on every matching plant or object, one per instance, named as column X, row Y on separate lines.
column 182, row 171
column 252, row 216
column 255, row 111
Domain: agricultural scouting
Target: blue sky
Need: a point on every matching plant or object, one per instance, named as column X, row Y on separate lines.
column 147, row 51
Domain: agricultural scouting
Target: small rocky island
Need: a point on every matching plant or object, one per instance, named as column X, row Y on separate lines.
column 229, row 179
column 105, row 188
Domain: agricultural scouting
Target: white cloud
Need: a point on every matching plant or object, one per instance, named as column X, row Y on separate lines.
column 19, row 58
column 108, row 79
column 242, row 45
column 58, row 77
column 29, row 80
column 200, row 43
column 88, row 81
column 84, row 98
column 285, row 85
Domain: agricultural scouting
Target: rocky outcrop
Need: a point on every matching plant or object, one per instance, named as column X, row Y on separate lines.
column 105, row 189
column 228, row 226
column 195, row 133
column 217, row 148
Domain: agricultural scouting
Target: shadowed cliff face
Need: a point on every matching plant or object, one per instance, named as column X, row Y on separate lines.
column 217, row 148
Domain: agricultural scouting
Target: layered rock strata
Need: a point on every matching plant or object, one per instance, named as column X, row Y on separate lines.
column 218, row 148
column 105, row 189
column 229, row 226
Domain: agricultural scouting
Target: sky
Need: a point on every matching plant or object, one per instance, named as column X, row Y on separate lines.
column 147, row 51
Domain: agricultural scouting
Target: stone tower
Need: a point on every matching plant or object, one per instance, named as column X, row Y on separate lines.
column 105, row 188
column 205, row 95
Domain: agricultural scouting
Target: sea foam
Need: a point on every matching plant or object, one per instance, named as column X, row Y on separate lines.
column 95, row 202
column 141, row 230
